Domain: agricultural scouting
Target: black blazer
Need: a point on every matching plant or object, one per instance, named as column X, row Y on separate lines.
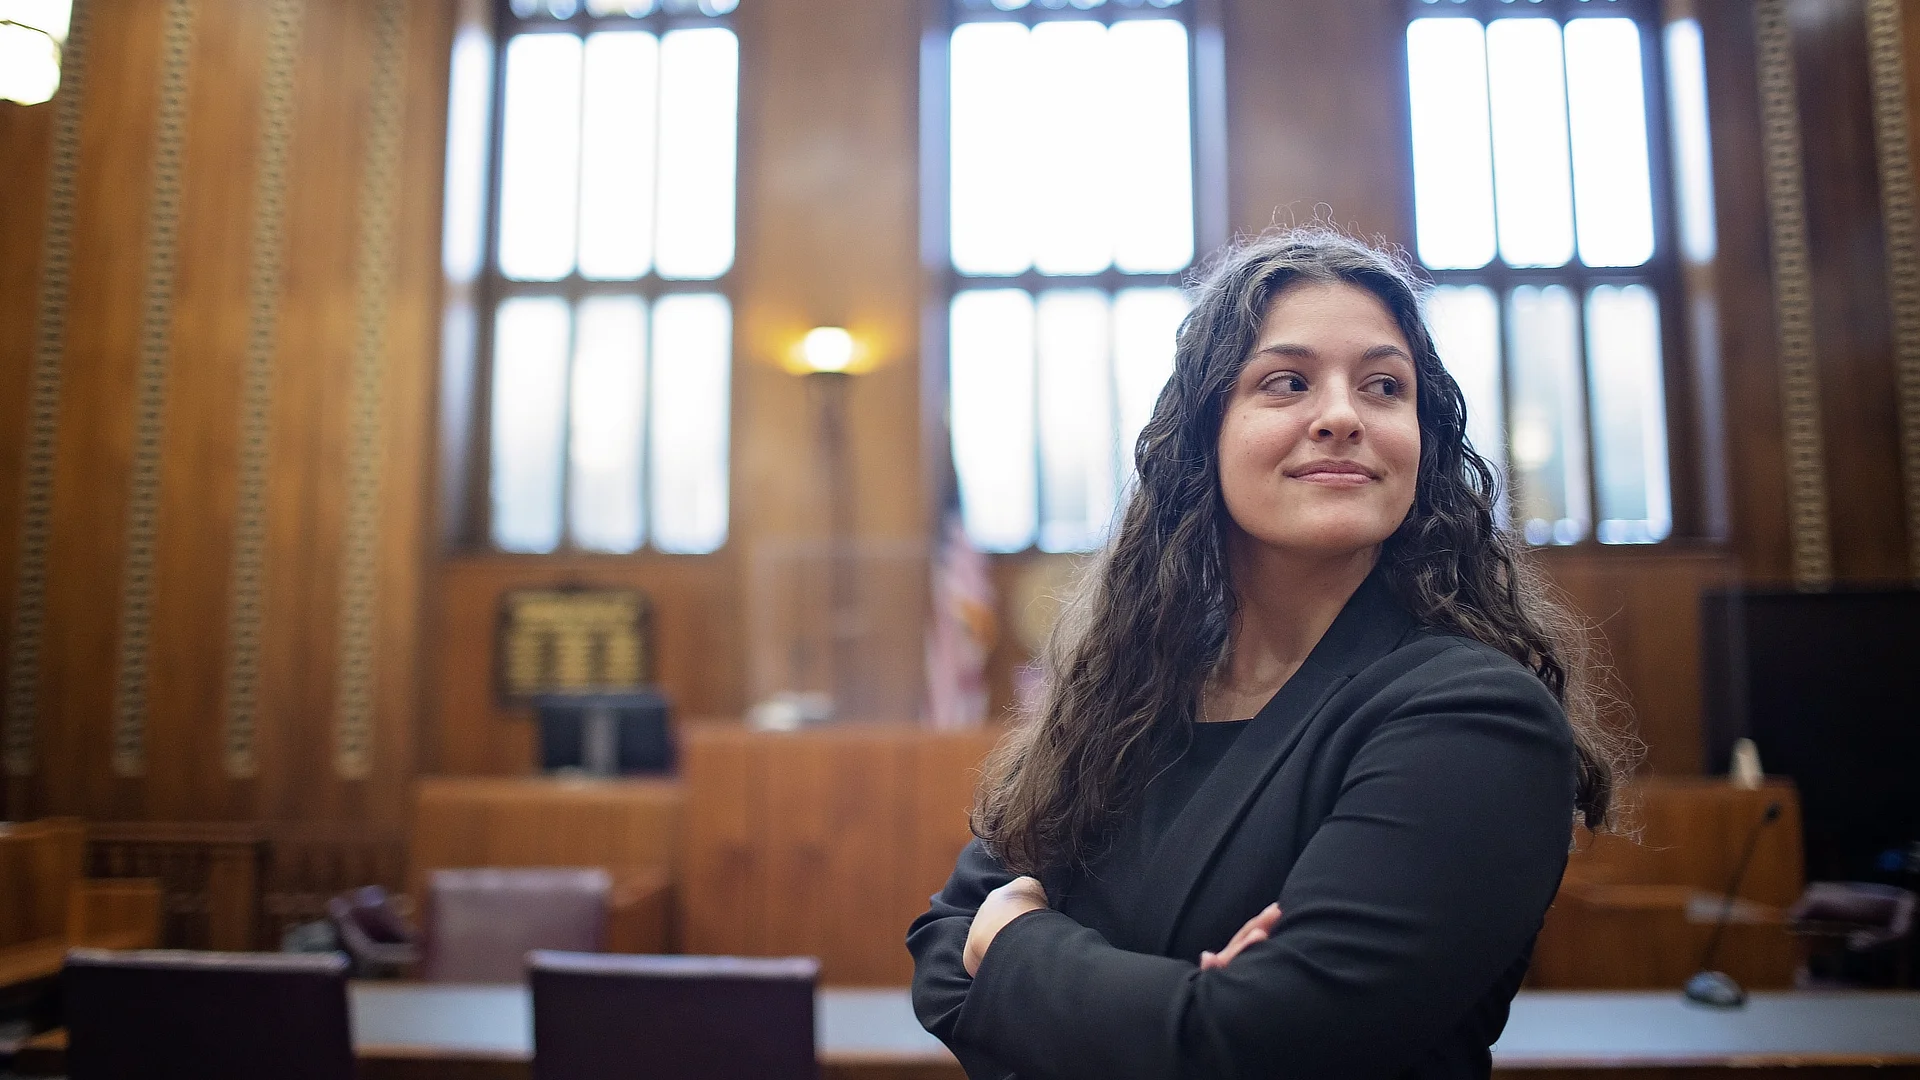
column 1407, row 797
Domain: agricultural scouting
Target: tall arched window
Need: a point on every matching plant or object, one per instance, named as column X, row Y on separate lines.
column 601, row 315
column 1544, row 212
column 1061, row 215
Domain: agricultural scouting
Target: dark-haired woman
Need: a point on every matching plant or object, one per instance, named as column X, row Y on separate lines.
column 1301, row 782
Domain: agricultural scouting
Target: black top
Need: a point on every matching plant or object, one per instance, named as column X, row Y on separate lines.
column 1407, row 798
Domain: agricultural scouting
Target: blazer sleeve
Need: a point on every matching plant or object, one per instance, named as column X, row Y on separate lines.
column 1426, row 881
column 937, row 941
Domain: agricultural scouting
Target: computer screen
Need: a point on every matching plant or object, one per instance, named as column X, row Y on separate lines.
column 605, row 734
column 1828, row 687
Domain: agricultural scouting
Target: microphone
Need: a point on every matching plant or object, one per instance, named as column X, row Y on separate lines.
column 1717, row 988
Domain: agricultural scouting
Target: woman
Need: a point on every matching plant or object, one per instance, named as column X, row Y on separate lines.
column 1301, row 783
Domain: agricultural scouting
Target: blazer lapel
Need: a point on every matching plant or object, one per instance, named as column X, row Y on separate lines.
column 1367, row 629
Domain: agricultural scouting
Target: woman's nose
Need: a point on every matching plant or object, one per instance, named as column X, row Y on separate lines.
column 1339, row 420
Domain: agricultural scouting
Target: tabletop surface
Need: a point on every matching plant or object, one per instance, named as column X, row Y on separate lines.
column 1545, row 1027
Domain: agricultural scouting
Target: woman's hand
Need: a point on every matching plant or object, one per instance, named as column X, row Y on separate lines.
column 1256, row 929
column 1002, row 906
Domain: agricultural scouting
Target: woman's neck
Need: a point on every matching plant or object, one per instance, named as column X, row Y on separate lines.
column 1285, row 605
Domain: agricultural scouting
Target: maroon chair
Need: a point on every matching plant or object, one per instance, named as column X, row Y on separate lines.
column 481, row 923
column 170, row 1015
column 672, row 1017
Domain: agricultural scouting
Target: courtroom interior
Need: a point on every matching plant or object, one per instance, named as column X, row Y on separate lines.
column 484, row 482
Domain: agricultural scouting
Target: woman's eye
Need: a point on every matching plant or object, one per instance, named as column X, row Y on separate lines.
column 1389, row 386
column 1286, row 383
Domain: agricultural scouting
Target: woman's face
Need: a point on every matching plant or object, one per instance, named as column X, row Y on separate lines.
column 1320, row 443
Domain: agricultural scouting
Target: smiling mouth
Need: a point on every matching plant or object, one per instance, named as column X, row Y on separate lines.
column 1335, row 474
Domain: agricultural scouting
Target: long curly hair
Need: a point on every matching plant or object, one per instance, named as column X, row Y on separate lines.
column 1151, row 618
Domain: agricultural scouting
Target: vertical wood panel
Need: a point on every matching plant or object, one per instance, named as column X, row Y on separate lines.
column 838, row 835
column 1317, row 114
column 198, row 469
column 204, row 326
column 1852, row 322
column 86, row 548
column 306, row 449
column 1644, row 607
column 725, row 873
column 1756, row 452
column 27, row 134
column 945, row 769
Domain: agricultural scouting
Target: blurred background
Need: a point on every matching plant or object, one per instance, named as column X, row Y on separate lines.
column 402, row 401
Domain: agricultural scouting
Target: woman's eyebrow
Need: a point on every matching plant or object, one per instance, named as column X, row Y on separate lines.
column 1304, row 352
column 1385, row 350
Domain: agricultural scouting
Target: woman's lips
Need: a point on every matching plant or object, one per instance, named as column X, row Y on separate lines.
column 1334, row 473
column 1334, row 479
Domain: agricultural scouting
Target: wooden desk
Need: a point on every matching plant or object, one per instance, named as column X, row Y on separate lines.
column 629, row 827
column 416, row 1031
column 1634, row 914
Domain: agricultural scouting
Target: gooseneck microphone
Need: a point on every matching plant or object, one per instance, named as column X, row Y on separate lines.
column 1717, row 988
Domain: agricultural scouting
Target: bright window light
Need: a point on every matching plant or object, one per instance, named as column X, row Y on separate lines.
column 1606, row 104
column 699, row 100
column 1452, row 162
column 529, row 417
column 687, row 463
column 1466, row 331
column 540, row 161
column 1629, row 427
column 1549, row 439
column 991, row 398
column 1692, row 146
column 609, row 401
column 1532, row 186
column 1077, row 481
column 617, row 162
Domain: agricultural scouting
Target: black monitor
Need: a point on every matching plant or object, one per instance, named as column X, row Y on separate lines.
column 1827, row 685
column 605, row 734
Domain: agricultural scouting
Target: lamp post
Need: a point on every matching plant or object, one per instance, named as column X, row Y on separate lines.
column 827, row 356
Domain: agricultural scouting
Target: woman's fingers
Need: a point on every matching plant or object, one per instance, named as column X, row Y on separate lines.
column 1254, row 930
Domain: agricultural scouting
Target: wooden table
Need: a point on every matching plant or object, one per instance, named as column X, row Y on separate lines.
column 417, row 1030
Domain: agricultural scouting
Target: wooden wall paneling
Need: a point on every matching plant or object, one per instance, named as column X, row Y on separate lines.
column 1690, row 831
column 93, row 453
column 306, row 447
column 211, row 876
column 27, row 133
column 1644, row 606
column 632, row 827
column 1891, row 44
column 1317, row 113
column 198, row 471
column 401, row 650
column 724, row 899
column 1743, row 297
column 944, row 770
column 829, row 235
column 312, row 862
column 697, row 640
column 838, row 838
column 1852, row 321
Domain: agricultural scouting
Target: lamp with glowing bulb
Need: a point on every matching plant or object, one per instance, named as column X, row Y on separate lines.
column 827, row 358
column 32, row 35
column 827, row 350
